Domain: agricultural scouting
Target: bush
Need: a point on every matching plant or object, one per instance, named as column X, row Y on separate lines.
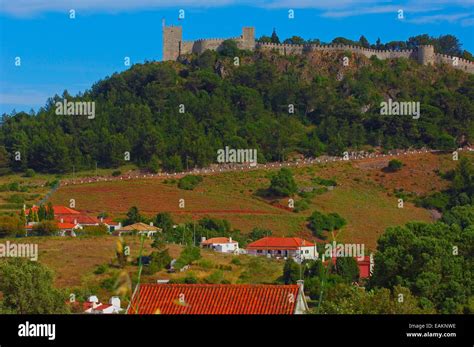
column 187, row 256
column 46, row 228
column 101, row 269
column 236, row 261
column 283, row 184
column 395, row 165
column 216, row 277
column 16, row 199
column 11, row 226
column 189, row 182
column 94, row 230
column 318, row 223
column 116, row 173
column 301, row 205
column 206, row 263
column 324, row 182
column 30, row 173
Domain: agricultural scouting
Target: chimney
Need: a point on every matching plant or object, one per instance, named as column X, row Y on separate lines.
column 62, row 220
column 151, row 224
column 230, row 239
column 114, row 301
column 102, row 219
column 75, row 221
column 203, row 239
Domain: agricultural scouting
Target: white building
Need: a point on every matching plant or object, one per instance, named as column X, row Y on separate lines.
column 221, row 244
column 283, row 247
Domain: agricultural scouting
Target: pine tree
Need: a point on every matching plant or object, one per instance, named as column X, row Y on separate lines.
column 23, row 216
column 274, row 37
column 36, row 217
column 41, row 213
column 50, row 212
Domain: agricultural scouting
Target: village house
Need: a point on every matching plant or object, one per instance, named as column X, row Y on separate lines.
column 64, row 215
column 218, row 299
column 283, row 247
column 139, row 228
column 221, row 244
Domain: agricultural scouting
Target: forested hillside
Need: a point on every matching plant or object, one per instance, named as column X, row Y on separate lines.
column 175, row 115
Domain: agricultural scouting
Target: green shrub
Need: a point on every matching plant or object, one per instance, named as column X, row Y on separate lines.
column 324, row 182
column 236, row 261
column 30, row 173
column 189, row 182
column 16, row 199
column 116, row 173
column 102, row 268
column 395, row 165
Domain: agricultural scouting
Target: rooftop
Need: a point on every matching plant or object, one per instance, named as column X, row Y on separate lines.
column 214, row 299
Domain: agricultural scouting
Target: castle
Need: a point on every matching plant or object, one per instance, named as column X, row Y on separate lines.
column 174, row 46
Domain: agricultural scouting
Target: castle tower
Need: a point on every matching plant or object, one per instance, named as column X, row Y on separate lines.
column 248, row 38
column 172, row 40
column 426, row 55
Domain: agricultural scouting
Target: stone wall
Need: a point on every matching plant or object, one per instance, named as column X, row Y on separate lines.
column 174, row 46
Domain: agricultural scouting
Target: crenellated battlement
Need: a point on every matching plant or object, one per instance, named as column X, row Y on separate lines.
column 174, row 46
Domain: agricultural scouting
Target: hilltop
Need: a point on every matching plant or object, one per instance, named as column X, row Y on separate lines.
column 176, row 115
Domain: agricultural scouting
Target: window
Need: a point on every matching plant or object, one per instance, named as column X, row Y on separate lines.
column 306, row 251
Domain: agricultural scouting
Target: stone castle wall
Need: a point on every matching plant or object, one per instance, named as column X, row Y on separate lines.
column 174, row 46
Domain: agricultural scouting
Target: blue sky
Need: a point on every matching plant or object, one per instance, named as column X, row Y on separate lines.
column 59, row 53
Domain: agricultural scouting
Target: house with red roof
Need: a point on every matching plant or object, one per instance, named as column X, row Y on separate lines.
column 225, row 299
column 283, row 247
column 221, row 244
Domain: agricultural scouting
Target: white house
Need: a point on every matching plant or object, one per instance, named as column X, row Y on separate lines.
column 283, row 247
column 221, row 244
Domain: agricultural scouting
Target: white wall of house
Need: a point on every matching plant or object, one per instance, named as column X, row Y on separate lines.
column 224, row 247
column 303, row 252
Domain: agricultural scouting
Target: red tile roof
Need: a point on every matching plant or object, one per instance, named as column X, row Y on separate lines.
column 214, row 299
column 63, row 226
column 102, row 307
column 78, row 218
column 57, row 210
column 217, row 240
column 279, row 243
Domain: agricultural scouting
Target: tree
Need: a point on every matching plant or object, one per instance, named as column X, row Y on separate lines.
column 421, row 257
column 364, row 42
column 4, row 161
column 41, row 213
column 283, row 184
column 27, row 288
column 50, row 211
column 347, row 268
column 229, row 48
column 295, row 40
column 164, row 221
column 46, row 228
column 133, row 216
column 274, row 38
column 291, row 271
column 319, row 222
column 187, row 256
column 23, row 219
column 11, row 226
